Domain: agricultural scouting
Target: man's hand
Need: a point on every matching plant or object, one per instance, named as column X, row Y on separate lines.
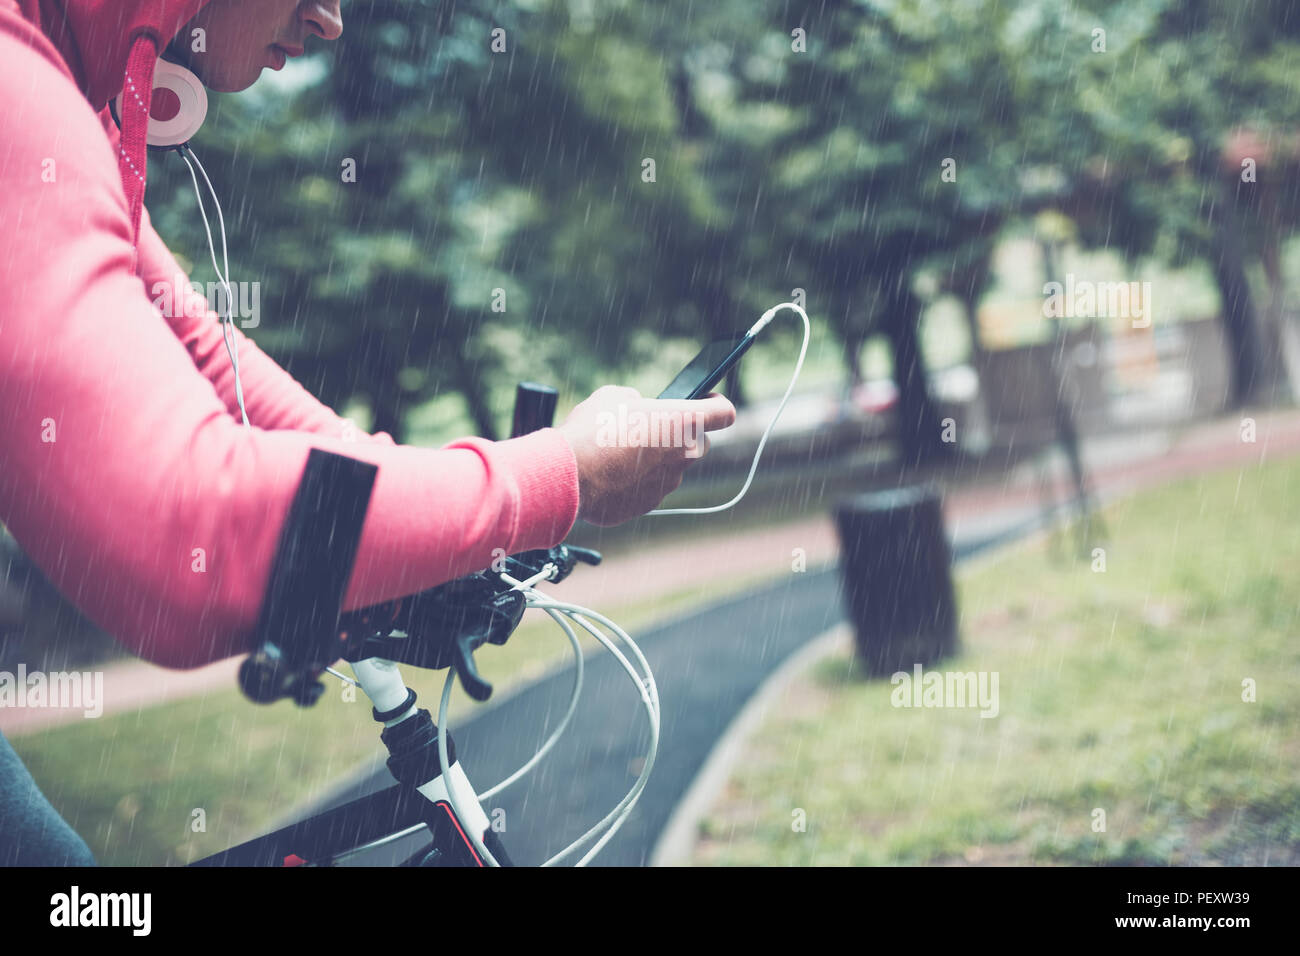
column 632, row 451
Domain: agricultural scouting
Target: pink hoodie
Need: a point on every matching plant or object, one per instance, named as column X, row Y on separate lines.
column 125, row 473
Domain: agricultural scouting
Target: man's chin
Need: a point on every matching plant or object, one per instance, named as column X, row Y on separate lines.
column 228, row 84
column 217, row 80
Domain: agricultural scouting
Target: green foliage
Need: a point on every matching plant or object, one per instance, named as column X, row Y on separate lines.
column 776, row 168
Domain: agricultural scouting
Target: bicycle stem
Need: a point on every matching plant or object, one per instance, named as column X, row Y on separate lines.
column 382, row 682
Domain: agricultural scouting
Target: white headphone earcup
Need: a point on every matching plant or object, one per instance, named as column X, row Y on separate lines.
column 193, row 106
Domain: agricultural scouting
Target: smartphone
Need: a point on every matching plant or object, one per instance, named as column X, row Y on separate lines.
column 709, row 367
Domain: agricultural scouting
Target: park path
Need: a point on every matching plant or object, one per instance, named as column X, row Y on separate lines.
column 973, row 508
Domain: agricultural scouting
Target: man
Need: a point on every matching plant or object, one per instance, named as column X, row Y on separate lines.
column 125, row 473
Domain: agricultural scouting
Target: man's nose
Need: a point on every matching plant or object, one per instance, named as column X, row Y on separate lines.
column 325, row 19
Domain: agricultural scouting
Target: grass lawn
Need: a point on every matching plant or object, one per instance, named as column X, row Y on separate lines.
column 1119, row 691
column 130, row 784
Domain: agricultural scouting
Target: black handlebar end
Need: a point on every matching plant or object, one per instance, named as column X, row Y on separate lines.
column 534, row 408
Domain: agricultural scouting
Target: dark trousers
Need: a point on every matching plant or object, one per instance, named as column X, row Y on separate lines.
column 31, row 831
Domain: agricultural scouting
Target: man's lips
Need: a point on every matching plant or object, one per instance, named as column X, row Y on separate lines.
column 279, row 54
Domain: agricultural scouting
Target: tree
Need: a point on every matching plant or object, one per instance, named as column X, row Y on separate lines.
column 895, row 152
column 1146, row 119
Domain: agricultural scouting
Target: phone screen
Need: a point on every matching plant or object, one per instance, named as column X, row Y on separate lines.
column 708, row 368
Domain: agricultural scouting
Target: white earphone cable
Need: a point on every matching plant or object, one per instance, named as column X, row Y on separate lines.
column 227, row 320
column 757, row 327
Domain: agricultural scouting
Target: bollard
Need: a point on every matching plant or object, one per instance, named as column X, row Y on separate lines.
column 897, row 579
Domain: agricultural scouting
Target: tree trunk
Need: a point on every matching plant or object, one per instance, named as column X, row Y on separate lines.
column 1249, row 379
column 919, row 427
column 387, row 403
column 970, row 289
column 469, row 382
column 1277, row 324
column 853, row 360
column 390, row 415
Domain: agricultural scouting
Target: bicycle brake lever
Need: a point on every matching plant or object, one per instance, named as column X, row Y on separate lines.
column 435, row 623
column 443, row 626
column 585, row 555
column 467, row 669
column 562, row 557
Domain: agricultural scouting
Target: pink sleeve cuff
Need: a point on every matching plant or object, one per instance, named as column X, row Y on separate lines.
column 545, row 475
column 546, row 471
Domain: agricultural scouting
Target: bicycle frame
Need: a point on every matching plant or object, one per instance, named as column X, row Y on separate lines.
column 370, row 822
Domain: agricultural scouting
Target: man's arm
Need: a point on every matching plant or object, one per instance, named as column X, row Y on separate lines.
column 124, row 476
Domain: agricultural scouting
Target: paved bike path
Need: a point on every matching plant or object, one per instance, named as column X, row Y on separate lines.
column 706, row 665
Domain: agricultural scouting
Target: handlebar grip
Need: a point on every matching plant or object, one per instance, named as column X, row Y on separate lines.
column 534, row 408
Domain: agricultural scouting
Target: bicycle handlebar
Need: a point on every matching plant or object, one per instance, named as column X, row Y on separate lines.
column 443, row 626
column 436, row 628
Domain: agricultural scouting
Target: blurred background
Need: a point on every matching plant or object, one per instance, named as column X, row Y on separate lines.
column 457, row 196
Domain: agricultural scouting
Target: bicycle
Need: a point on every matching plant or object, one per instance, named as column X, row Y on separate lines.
column 302, row 633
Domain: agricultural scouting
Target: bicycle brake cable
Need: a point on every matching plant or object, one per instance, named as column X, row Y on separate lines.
column 647, row 690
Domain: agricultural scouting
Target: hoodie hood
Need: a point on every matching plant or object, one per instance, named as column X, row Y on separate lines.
column 96, row 36
column 112, row 46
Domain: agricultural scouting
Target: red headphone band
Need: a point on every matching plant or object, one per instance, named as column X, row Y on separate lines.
column 133, row 113
column 162, row 104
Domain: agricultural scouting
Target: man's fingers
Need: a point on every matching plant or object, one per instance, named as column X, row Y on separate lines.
column 713, row 412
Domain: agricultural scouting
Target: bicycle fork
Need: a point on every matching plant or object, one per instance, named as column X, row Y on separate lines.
column 412, row 740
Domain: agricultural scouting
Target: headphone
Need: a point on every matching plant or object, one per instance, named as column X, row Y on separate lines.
column 178, row 108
